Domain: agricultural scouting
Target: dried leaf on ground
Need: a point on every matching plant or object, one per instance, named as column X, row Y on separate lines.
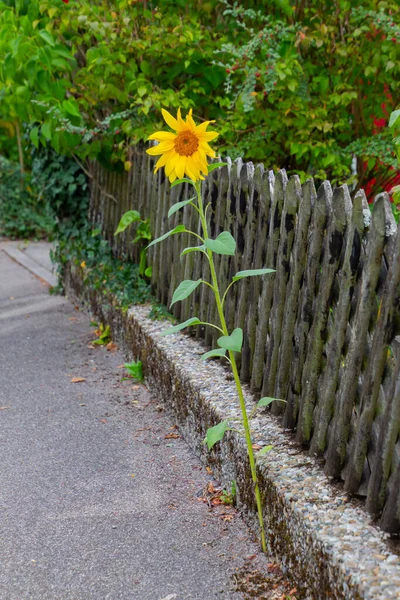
column 77, row 379
column 111, row 347
column 4, row 407
column 172, row 436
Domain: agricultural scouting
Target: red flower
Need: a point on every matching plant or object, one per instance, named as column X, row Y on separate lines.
column 65, row 1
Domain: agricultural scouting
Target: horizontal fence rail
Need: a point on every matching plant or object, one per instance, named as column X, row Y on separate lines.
column 321, row 333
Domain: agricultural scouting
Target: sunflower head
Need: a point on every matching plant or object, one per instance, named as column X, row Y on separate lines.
column 183, row 151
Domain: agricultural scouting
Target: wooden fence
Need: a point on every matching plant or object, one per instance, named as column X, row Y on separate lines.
column 319, row 333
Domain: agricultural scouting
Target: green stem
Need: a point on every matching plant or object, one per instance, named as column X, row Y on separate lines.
column 235, row 373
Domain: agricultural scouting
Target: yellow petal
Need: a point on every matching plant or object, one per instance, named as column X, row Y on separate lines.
column 181, row 122
column 162, row 136
column 154, row 150
column 203, row 126
column 172, row 176
column 169, row 119
column 207, row 136
column 180, row 166
column 170, row 166
column 162, row 161
column 193, row 173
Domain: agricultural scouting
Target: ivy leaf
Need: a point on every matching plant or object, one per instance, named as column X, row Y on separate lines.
column 131, row 216
column 178, row 206
column 212, row 353
column 252, row 273
column 232, row 342
column 178, row 229
column 175, row 328
column 193, row 249
column 178, row 181
column 223, row 244
column 215, row 434
column 214, row 166
column 184, row 290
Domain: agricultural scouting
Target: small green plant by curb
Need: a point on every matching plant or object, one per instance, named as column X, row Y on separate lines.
column 142, row 234
column 104, row 335
column 184, row 155
column 135, row 370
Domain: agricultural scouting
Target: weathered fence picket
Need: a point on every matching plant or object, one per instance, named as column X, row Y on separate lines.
column 321, row 333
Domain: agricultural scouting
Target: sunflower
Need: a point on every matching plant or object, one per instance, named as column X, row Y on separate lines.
column 185, row 151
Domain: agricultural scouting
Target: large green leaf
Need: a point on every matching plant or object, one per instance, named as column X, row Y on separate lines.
column 223, row 244
column 215, row 434
column 47, row 37
column 175, row 328
column 177, row 229
column 184, row 290
column 178, row 206
column 394, row 117
column 132, row 216
column 71, row 107
column 212, row 353
column 252, row 273
column 232, row 342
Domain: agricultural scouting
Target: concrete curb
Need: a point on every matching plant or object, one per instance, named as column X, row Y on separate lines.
column 29, row 263
column 324, row 541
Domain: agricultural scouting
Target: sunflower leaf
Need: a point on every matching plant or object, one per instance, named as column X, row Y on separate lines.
column 216, row 166
column 193, row 249
column 212, row 353
column 132, row 216
column 178, row 181
column 264, row 450
column 266, row 401
column 184, row 289
column 177, row 229
column 232, row 342
column 252, row 273
column 175, row 328
column 178, row 206
column 215, row 434
column 223, row 244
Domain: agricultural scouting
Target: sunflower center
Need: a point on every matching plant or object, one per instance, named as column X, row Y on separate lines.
column 186, row 143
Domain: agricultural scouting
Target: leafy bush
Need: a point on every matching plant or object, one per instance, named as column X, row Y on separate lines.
column 309, row 88
column 62, row 183
column 89, row 251
column 23, row 212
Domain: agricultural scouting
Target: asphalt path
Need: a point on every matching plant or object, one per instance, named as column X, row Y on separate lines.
column 100, row 498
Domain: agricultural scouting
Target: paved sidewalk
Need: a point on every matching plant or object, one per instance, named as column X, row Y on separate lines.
column 99, row 496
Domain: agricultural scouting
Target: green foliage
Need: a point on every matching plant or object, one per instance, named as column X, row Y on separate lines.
column 304, row 87
column 135, row 370
column 24, row 213
column 62, row 183
column 159, row 312
column 142, row 234
column 90, row 252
